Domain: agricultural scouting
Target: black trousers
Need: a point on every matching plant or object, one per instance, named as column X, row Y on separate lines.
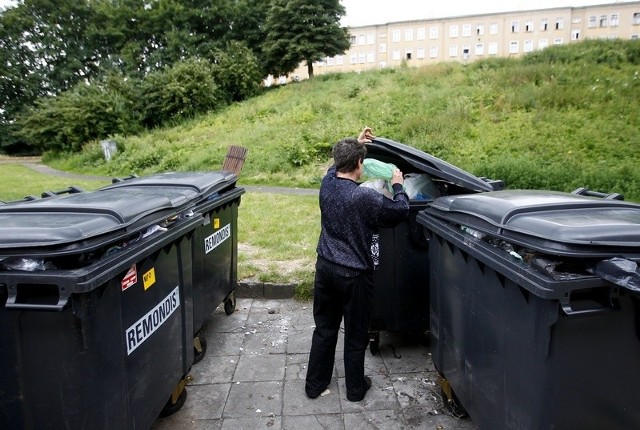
column 339, row 291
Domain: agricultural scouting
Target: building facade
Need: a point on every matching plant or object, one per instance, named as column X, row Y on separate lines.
column 474, row 37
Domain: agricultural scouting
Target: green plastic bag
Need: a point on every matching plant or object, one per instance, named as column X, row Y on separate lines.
column 373, row 168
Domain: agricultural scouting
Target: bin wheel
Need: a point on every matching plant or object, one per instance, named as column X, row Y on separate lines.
column 374, row 343
column 199, row 348
column 451, row 401
column 230, row 304
column 171, row 408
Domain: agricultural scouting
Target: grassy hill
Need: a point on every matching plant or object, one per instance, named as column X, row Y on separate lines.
column 562, row 118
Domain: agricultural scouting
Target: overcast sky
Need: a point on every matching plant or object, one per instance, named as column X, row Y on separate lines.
column 366, row 12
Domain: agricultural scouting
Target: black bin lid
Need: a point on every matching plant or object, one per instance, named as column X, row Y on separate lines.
column 194, row 185
column 79, row 222
column 78, row 217
column 389, row 151
column 551, row 222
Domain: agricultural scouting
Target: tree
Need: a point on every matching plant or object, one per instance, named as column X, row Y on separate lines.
column 303, row 30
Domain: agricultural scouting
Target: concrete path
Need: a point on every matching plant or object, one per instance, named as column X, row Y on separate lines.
column 34, row 164
column 252, row 377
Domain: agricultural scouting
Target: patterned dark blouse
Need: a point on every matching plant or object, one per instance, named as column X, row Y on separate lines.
column 350, row 218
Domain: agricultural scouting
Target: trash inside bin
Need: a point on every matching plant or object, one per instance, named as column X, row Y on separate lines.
column 522, row 330
column 97, row 298
column 401, row 294
column 214, row 243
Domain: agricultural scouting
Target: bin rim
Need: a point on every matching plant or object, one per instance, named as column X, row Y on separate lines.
column 516, row 216
column 514, row 269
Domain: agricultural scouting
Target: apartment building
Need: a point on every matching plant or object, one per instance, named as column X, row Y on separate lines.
column 469, row 38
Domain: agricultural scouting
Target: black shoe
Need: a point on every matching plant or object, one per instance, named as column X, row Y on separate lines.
column 313, row 394
column 367, row 384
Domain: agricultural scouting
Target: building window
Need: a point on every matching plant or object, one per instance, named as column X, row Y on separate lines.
column 557, row 41
column 383, row 48
column 466, row 30
column 636, row 18
column 453, row 31
column 513, row 47
column 479, row 49
column 408, row 35
column 544, row 24
column 575, row 34
column 528, row 45
column 493, row 48
column 362, row 40
column 515, row 26
column 331, row 61
column 396, row 54
column 370, row 57
column 420, row 53
column 465, row 53
column 480, row 30
column 543, row 43
column 396, row 36
column 352, row 40
column 353, row 59
column 421, row 34
column 361, row 57
column 383, row 64
column 493, row 28
column 528, row 26
column 433, row 52
column 559, row 23
column 603, row 21
column 453, row 51
column 593, row 21
column 615, row 20
column 408, row 53
column 371, row 38
column 433, row 33
column 339, row 60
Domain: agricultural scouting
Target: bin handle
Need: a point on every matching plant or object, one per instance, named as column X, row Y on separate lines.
column 13, row 304
column 570, row 312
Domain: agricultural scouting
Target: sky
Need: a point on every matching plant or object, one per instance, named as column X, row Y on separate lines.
column 367, row 12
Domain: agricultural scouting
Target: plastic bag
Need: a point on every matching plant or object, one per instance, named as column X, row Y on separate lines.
column 26, row 264
column 419, row 186
column 377, row 169
column 380, row 185
column 619, row 271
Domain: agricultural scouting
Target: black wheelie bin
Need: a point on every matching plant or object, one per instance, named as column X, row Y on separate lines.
column 401, row 294
column 100, row 295
column 533, row 324
column 96, row 309
column 215, row 242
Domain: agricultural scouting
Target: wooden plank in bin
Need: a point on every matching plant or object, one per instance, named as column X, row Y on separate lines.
column 234, row 160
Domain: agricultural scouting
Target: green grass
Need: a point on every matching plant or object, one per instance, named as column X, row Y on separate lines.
column 18, row 182
column 277, row 236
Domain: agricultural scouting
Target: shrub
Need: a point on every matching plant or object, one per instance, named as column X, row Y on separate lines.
column 236, row 72
column 85, row 113
column 181, row 92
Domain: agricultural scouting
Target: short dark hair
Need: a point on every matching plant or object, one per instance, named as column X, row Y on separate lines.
column 347, row 153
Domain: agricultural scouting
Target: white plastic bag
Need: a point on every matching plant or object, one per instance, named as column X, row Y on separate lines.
column 380, row 185
column 419, row 186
